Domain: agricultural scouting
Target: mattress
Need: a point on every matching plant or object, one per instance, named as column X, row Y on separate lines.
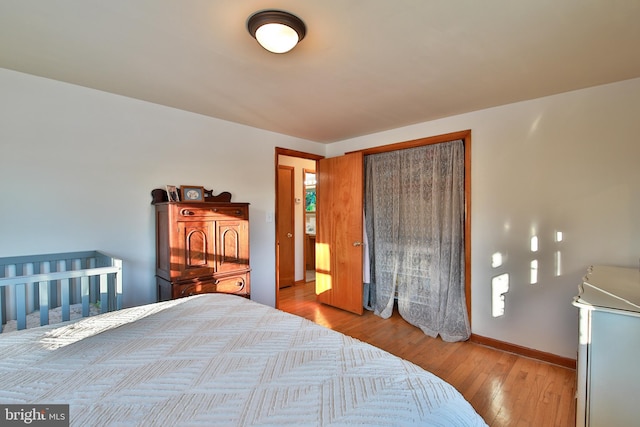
column 218, row 359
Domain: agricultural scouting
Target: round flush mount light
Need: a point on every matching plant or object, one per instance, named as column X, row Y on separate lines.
column 276, row 30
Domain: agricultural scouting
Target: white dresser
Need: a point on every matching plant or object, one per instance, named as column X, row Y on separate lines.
column 608, row 369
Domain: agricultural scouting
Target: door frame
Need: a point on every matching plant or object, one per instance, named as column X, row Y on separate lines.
column 305, row 254
column 291, row 153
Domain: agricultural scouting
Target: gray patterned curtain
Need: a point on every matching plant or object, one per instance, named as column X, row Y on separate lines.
column 414, row 220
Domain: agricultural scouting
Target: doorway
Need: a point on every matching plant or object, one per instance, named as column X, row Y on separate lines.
column 309, row 185
column 465, row 136
column 300, row 163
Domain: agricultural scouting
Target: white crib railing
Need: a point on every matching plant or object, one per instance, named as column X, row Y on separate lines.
column 42, row 282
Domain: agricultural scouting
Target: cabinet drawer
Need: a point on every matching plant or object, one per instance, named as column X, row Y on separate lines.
column 236, row 284
column 213, row 212
column 196, row 287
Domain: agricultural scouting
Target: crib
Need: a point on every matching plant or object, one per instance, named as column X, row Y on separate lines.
column 35, row 285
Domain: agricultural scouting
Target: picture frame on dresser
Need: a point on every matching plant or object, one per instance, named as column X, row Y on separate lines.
column 192, row 193
column 172, row 193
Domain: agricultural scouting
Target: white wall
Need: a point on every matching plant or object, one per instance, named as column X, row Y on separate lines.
column 77, row 167
column 568, row 163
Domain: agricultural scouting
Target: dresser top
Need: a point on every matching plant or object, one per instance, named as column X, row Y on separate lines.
column 608, row 287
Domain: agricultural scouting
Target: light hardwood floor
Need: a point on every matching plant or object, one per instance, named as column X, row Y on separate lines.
column 505, row 389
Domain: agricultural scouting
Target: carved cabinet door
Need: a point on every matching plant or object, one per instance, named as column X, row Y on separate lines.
column 195, row 248
column 233, row 245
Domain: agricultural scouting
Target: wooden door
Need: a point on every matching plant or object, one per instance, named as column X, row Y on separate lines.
column 339, row 233
column 285, row 227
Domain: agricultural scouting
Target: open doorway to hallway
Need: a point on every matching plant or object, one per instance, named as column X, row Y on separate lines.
column 295, row 218
column 309, row 202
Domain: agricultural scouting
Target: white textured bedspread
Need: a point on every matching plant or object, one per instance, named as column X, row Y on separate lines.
column 219, row 360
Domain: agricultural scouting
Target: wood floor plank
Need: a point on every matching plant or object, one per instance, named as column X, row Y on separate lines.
column 505, row 389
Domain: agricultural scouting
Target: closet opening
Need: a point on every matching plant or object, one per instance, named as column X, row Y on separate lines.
column 465, row 137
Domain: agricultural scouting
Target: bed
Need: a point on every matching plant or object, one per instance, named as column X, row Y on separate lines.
column 216, row 359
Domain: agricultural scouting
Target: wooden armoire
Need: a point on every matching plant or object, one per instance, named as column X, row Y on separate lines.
column 202, row 247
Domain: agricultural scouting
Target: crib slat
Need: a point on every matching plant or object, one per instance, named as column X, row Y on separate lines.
column 43, row 294
column 118, row 279
column 44, row 303
column 3, row 314
column 21, row 306
column 65, row 297
column 84, row 292
column 31, row 290
column 75, row 282
column 65, row 300
column 104, row 294
column 94, row 285
column 8, row 293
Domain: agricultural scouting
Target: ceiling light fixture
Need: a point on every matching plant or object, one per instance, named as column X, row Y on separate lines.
column 276, row 30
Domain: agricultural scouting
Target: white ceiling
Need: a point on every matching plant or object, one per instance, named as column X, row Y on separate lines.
column 365, row 65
